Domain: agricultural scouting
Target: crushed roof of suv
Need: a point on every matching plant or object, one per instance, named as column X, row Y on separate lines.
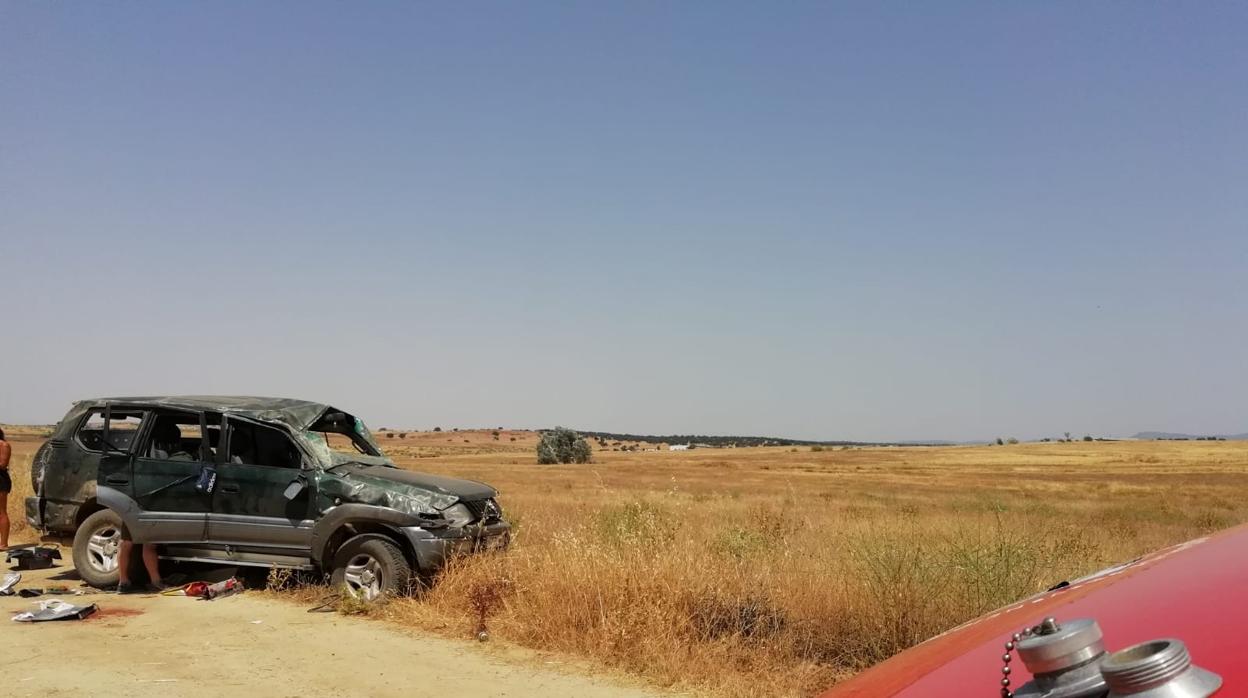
column 299, row 414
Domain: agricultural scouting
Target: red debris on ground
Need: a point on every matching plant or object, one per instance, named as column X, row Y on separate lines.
column 114, row 613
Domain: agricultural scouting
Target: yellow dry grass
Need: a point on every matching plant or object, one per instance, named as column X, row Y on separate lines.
column 764, row 571
column 771, row 571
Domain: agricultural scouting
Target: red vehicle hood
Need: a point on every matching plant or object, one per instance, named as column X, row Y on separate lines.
column 1191, row 592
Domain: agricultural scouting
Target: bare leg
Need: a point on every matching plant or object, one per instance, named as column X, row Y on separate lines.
column 4, row 520
column 123, row 561
column 151, row 562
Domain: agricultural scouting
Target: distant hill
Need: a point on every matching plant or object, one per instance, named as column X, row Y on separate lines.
column 744, row 440
column 1174, row 436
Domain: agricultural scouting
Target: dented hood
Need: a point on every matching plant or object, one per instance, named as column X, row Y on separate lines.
column 401, row 490
column 469, row 490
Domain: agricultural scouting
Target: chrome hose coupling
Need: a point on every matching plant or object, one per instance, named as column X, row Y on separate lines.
column 1157, row 669
column 1063, row 659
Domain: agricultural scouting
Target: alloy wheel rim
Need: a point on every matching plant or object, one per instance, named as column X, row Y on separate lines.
column 103, row 549
column 363, row 577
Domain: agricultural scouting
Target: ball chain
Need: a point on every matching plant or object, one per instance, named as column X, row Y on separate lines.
column 1049, row 625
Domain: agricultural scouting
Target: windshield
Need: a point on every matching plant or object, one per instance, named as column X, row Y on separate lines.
column 338, row 437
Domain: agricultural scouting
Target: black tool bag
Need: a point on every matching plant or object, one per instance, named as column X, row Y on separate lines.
column 36, row 558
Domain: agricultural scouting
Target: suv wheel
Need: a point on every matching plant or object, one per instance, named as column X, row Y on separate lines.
column 96, row 549
column 369, row 567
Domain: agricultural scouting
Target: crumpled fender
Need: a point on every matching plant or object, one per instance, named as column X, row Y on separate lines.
column 344, row 514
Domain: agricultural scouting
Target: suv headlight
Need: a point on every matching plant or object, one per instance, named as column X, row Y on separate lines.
column 457, row 515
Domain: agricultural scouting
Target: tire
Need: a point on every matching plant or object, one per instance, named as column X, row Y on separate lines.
column 96, row 546
column 369, row 567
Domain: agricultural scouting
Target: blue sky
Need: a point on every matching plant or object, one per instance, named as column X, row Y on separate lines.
column 824, row 220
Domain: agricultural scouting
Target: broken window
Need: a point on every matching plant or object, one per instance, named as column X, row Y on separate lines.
column 123, row 429
column 256, row 444
column 342, row 433
column 178, row 435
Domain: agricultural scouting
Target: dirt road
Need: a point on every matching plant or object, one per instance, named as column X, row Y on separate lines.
column 176, row 646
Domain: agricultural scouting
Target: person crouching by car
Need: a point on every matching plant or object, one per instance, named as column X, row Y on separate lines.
column 166, row 445
column 150, row 561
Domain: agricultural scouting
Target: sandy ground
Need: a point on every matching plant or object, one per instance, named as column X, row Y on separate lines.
column 151, row 645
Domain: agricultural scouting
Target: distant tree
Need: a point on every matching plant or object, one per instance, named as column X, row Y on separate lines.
column 437, row 428
column 1067, row 436
column 1011, row 441
column 389, row 435
column 402, row 435
column 1000, row 442
column 1087, row 437
column 560, row 445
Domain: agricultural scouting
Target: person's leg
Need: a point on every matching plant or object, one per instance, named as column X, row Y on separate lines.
column 4, row 520
column 152, row 563
column 123, row 563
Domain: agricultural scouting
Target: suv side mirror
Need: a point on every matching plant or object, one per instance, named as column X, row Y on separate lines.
column 294, row 488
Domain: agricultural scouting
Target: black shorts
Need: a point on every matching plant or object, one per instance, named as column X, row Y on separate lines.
column 6, row 481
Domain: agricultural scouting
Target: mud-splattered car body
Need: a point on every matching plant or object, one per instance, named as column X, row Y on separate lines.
column 247, row 480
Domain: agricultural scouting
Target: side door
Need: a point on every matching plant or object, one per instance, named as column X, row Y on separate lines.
column 107, row 438
column 175, row 448
column 250, row 507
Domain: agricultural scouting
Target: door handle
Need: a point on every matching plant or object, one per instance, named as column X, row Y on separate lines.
column 114, row 480
column 230, row 489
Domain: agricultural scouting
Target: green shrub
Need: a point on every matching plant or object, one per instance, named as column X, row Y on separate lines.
column 561, row 445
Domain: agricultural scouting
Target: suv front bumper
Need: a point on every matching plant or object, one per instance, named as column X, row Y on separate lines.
column 433, row 547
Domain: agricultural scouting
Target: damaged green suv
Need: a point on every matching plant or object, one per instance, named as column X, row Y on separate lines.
column 268, row 482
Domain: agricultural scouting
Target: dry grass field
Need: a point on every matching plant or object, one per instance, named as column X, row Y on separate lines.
column 772, row 571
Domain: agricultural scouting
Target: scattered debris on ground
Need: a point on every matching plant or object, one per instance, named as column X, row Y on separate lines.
column 33, row 558
column 55, row 609
column 207, row 591
column 30, row 593
column 207, row 650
